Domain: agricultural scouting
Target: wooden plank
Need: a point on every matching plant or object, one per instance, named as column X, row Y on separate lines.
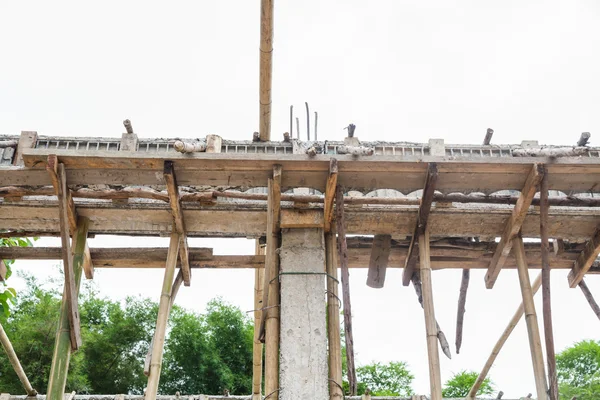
column 546, row 294
column 343, row 257
column 67, row 257
column 513, row 225
column 535, row 343
column 422, row 220
column 55, row 176
column 431, row 328
column 179, row 223
column 330, row 194
column 88, row 264
column 299, row 218
column 380, row 254
column 585, row 260
column 496, row 350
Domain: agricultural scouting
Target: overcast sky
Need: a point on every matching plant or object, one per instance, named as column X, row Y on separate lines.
column 399, row 70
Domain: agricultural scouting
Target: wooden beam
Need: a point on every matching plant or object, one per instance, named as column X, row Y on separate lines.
column 380, row 254
column 496, row 350
column 343, row 256
column 55, row 176
column 67, row 256
column 513, row 225
column 257, row 346
column 422, row 219
column 535, row 343
column 462, row 299
column 161, row 321
column 330, row 194
column 589, row 297
column 88, row 265
column 333, row 318
column 585, row 260
column 435, row 379
column 299, row 218
column 546, row 295
column 179, row 223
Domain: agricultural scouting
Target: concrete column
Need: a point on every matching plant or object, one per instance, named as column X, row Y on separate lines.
column 303, row 368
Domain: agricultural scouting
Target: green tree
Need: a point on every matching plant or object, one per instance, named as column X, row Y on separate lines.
column 8, row 295
column 392, row 379
column 460, row 384
column 578, row 370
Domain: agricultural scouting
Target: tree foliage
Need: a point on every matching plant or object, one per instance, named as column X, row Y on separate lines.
column 460, row 384
column 8, row 295
column 392, row 379
column 578, row 370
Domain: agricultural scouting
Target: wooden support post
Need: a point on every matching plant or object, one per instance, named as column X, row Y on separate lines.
column 533, row 331
column 585, row 260
column 462, row 299
column 62, row 344
column 330, row 194
column 380, row 254
column 269, row 327
column 161, row 321
column 14, row 360
column 513, row 225
column 266, row 68
column 179, row 223
column 421, row 224
column 343, row 255
column 547, row 303
column 435, row 379
column 589, row 297
column 257, row 346
column 333, row 319
column 496, row 350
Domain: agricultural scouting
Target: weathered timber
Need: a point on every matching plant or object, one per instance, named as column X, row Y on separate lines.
column 57, row 173
column 161, row 321
column 333, row 318
column 257, row 346
column 589, row 297
column 585, row 259
column 460, row 315
column 431, row 326
column 513, row 225
column 63, row 342
column 422, row 220
column 329, row 194
column 67, row 257
column 546, row 295
column 535, row 343
column 380, row 254
column 179, row 223
column 16, row 364
column 266, row 68
column 416, row 280
column 343, row 258
column 500, row 343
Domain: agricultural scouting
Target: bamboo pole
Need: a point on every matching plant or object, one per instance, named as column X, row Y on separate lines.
column 163, row 315
column 533, row 331
column 435, row 379
column 343, row 252
column 589, row 297
column 257, row 346
column 266, row 68
column 546, row 295
column 496, row 350
column 14, row 360
column 462, row 299
column 62, row 344
column 333, row 319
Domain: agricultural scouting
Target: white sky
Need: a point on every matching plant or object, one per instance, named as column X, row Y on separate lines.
column 399, row 70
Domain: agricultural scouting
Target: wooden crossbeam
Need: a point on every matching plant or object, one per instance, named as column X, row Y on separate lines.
column 585, row 260
column 177, row 212
column 421, row 225
column 513, row 225
column 330, row 194
column 380, row 254
column 70, row 285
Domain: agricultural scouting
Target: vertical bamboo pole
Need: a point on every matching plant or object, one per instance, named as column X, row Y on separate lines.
column 533, row 330
column 62, row 344
column 14, row 360
column 161, row 320
column 333, row 319
column 546, row 296
column 511, row 326
column 435, row 379
column 272, row 274
column 257, row 347
column 266, row 68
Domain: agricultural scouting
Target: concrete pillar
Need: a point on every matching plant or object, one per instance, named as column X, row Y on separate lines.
column 303, row 367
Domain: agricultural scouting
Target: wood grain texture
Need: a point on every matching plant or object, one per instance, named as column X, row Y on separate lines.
column 329, row 197
column 585, row 259
column 380, row 254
